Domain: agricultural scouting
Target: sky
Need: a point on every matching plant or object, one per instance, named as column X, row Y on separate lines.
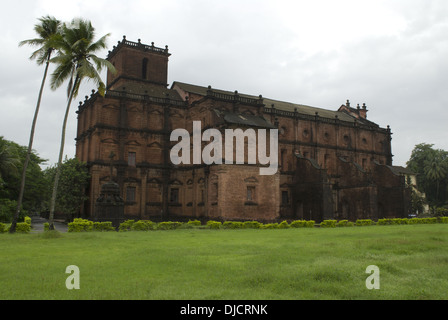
column 391, row 55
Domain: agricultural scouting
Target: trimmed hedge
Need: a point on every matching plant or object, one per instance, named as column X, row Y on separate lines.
column 328, row 224
column 214, row 224
column 169, row 225
column 344, row 223
column 364, row 222
column 270, row 226
column 194, row 222
column 27, row 220
column 396, row 221
column 103, row 226
column 21, row 227
column 232, row 225
column 142, row 225
column 302, row 224
column 82, row 225
column 283, row 225
column 251, row 225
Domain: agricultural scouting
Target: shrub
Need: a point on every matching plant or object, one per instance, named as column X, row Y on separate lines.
column 46, row 226
column 310, row 224
column 251, row 224
column 143, row 225
column 168, row 225
column 443, row 219
column 103, row 226
column 297, row 224
column 364, row 222
column 344, row 223
column 79, row 225
column 23, row 227
column 328, row 224
column 384, row 222
column 270, row 226
column 232, row 224
column 27, row 220
column 213, row 224
column 398, row 221
column 126, row 225
column 2, row 227
column 429, row 220
column 194, row 222
column 283, row 225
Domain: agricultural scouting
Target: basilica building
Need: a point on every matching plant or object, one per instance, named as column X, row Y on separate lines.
column 332, row 164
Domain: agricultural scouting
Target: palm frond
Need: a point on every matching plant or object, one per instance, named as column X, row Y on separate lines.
column 101, row 63
column 100, row 44
column 48, row 30
column 63, row 71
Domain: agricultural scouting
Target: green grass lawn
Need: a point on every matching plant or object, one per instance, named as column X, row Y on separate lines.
column 316, row 263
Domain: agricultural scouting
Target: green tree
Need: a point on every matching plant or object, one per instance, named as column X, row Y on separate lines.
column 35, row 182
column 73, row 182
column 431, row 167
column 9, row 161
column 75, row 57
column 416, row 163
column 9, row 158
column 48, row 31
column 14, row 157
column 435, row 168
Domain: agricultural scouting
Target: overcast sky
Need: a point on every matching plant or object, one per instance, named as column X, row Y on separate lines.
column 391, row 55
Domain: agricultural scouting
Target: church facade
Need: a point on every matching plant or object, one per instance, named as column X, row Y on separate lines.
column 331, row 164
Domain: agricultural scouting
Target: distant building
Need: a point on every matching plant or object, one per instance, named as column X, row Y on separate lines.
column 332, row 164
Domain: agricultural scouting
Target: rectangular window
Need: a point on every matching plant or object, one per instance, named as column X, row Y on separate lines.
column 215, row 192
column 130, row 194
column 285, row 198
column 174, row 195
column 283, row 159
column 250, row 193
column 131, row 159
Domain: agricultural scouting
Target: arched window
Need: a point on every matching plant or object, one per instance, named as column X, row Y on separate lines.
column 144, row 67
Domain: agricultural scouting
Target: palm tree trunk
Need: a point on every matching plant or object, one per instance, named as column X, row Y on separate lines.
column 12, row 229
column 61, row 153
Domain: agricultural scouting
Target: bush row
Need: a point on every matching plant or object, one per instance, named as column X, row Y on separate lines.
column 385, row 221
column 335, row 223
column 21, row 227
column 412, row 221
column 80, row 225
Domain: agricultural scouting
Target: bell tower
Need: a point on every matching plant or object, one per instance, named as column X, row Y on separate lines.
column 138, row 62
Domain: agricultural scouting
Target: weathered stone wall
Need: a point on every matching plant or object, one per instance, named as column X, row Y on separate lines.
column 136, row 117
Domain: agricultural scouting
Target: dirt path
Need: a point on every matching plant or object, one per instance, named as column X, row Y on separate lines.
column 37, row 224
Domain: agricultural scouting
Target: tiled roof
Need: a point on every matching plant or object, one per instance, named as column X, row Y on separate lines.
column 279, row 105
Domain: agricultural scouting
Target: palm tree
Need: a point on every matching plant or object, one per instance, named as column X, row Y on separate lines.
column 74, row 60
column 48, row 31
column 435, row 169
